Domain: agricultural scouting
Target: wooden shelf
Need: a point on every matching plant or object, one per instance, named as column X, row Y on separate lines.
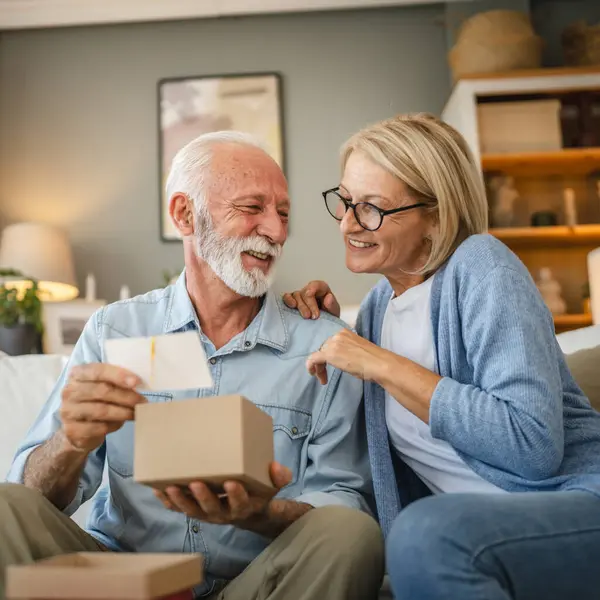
column 579, row 161
column 560, row 235
column 567, row 322
column 543, row 72
column 579, row 320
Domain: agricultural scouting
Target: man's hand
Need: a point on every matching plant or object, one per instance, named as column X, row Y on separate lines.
column 97, row 400
column 238, row 508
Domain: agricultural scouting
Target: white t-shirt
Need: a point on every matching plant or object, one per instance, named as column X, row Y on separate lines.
column 407, row 331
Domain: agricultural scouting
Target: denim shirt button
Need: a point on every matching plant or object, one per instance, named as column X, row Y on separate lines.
column 294, row 430
column 213, row 361
column 247, row 344
column 195, row 529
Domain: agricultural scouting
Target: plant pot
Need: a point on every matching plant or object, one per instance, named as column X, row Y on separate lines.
column 19, row 339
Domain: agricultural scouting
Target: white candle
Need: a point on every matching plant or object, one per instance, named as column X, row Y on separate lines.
column 570, row 207
column 90, row 288
column 593, row 263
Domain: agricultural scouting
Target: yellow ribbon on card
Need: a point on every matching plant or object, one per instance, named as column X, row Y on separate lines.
column 152, row 357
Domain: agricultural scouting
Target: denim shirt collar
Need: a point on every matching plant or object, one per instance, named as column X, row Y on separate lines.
column 267, row 328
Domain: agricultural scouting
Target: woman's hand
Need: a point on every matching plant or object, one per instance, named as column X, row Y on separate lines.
column 409, row 383
column 312, row 298
column 348, row 352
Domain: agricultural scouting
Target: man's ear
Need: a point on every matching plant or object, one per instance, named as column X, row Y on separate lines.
column 180, row 209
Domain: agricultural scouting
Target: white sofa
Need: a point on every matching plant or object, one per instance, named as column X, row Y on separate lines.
column 26, row 382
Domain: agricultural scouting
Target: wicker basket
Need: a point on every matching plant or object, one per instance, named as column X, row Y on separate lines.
column 495, row 24
column 581, row 44
column 495, row 41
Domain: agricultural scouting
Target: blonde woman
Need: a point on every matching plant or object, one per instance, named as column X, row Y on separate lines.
column 468, row 399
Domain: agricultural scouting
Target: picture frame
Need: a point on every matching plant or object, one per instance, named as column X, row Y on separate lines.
column 191, row 106
column 64, row 322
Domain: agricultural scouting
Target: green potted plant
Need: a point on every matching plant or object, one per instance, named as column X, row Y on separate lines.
column 20, row 315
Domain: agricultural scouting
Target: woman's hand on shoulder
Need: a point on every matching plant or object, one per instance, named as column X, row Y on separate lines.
column 311, row 299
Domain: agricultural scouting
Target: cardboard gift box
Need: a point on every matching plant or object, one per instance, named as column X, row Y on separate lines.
column 213, row 440
column 106, row 576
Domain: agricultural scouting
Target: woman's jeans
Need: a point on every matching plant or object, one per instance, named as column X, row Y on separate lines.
column 521, row 546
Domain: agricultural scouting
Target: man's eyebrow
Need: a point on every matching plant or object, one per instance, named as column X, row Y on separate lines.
column 255, row 197
column 285, row 202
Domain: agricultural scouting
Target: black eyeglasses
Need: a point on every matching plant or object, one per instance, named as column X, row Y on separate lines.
column 367, row 215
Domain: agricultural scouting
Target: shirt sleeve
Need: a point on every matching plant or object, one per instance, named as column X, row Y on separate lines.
column 338, row 469
column 87, row 350
column 508, row 409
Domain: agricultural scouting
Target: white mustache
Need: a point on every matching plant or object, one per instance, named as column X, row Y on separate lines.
column 258, row 243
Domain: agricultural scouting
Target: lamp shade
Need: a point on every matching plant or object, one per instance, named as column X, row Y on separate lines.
column 41, row 252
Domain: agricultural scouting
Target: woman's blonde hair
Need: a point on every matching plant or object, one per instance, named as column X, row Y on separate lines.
column 435, row 163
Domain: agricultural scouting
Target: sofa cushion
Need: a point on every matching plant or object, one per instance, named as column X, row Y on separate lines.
column 584, row 366
column 578, row 339
column 26, row 383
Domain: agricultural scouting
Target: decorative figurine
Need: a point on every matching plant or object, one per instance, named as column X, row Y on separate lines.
column 504, row 196
column 550, row 290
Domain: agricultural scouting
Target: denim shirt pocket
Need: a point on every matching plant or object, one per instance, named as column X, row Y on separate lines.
column 291, row 427
column 120, row 444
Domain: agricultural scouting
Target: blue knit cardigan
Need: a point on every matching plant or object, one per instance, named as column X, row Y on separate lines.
column 506, row 402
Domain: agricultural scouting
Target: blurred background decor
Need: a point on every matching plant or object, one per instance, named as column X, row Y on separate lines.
column 78, row 142
column 581, row 44
column 36, row 267
column 495, row 41
column 20, row 315
column 192, row 106
column 43, row 253
column 64, row 322
column 550, row 289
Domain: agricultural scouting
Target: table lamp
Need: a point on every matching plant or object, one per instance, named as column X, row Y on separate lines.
column 42, row 252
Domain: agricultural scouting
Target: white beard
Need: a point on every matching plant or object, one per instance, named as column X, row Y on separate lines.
column 224, row 256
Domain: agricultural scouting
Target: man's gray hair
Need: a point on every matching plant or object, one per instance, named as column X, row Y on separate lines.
column 191, row 165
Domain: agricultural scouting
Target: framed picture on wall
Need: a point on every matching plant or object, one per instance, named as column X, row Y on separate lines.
column 64, row 322
column 191, row 106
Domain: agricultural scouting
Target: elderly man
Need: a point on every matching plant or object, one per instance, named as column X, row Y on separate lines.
column 229, row 200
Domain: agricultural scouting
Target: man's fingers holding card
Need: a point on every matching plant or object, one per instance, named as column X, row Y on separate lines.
column 93, row 405
column 99, row 412
column 78, row 391
column 97, row 372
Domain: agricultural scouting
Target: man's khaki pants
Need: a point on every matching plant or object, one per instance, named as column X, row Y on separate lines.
column 331, row 553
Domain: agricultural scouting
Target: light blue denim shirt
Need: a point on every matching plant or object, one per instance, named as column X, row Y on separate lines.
column 318, row 430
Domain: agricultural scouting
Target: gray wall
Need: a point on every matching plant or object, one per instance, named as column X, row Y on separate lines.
column 78, row 124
